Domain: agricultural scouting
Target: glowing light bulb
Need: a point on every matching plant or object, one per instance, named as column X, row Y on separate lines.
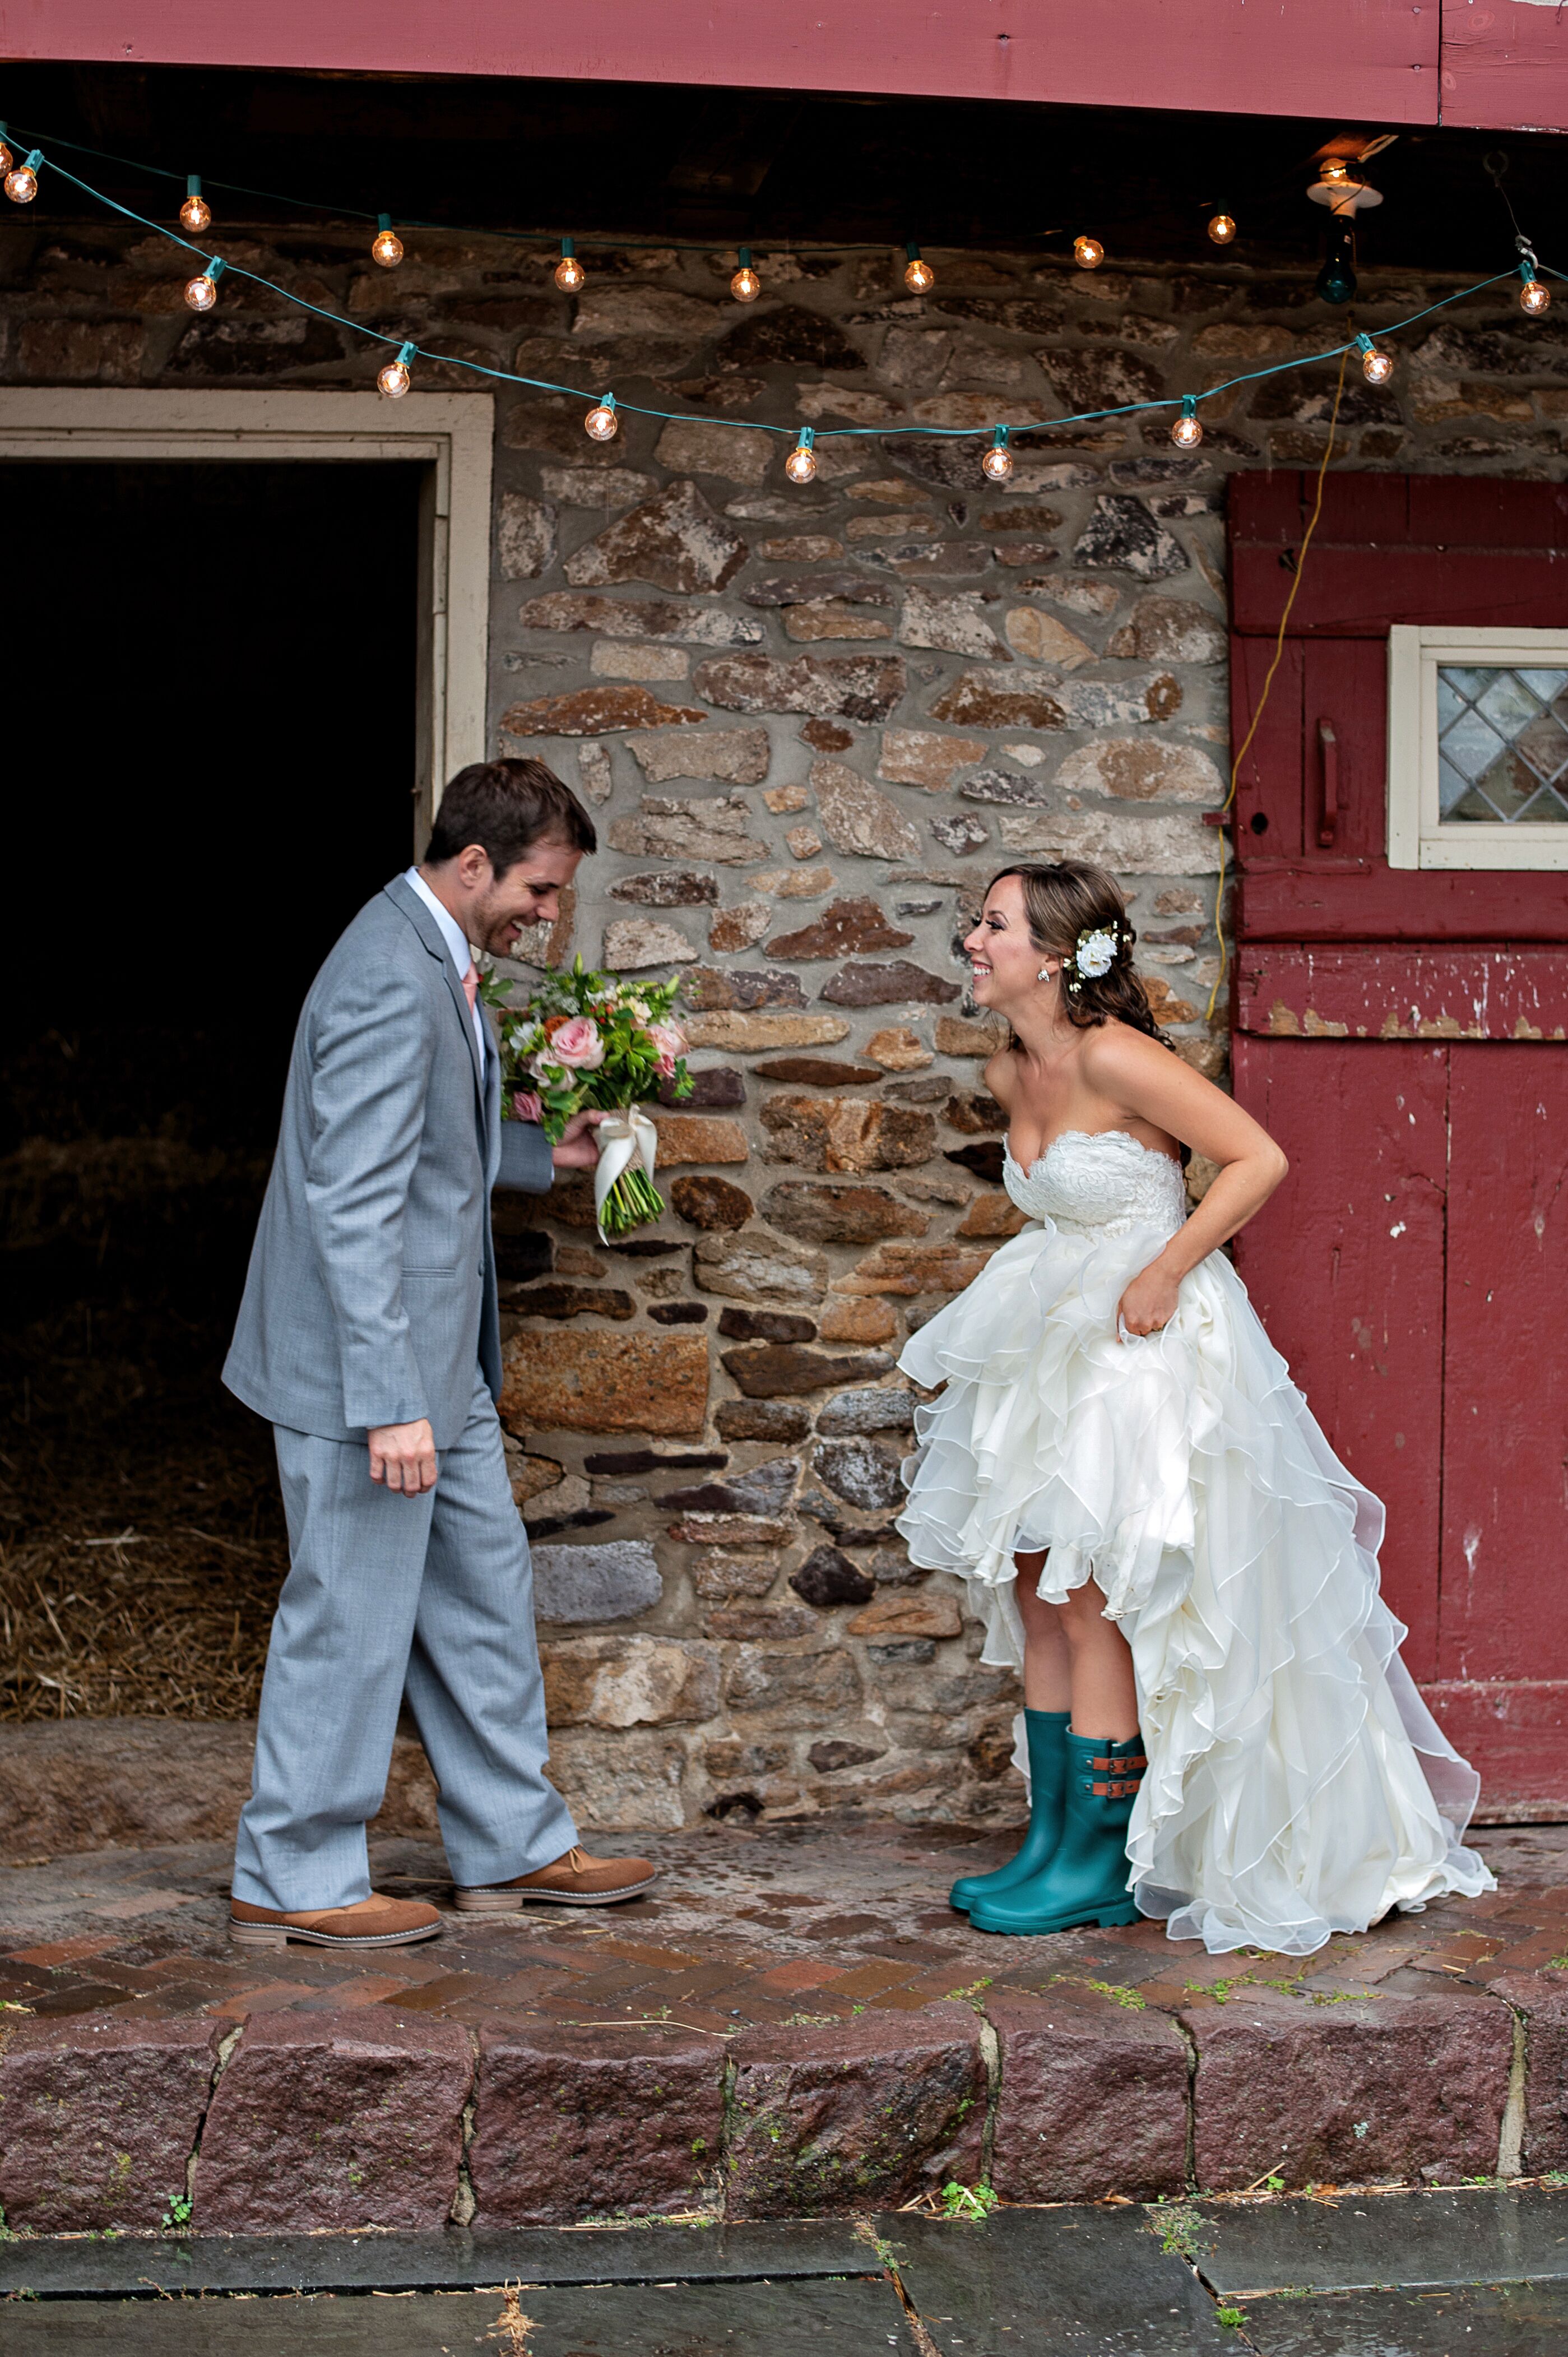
column 7, row 158
column 569, row 272
column 1222, row 229
column 386, row 246
column 1333, row 169
column 22, row 180
column 1534, row 296
column 202, row 292
column 918, row 275
column 997, row 464
column 1377, row 366
column 1187, row 431
column 602, row 423
column 801, row 466
column 1087, row 252
column 195, row 213
column 394, row 380
column 745, row 285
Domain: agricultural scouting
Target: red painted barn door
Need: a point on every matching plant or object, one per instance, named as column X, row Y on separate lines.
column 1345, row 1268
column 1396, row 1028
column 1505, row 1466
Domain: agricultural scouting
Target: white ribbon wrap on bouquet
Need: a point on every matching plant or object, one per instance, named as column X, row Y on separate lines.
column 625, row 1140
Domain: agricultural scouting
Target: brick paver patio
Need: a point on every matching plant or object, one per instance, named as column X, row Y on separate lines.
column 745, row 1928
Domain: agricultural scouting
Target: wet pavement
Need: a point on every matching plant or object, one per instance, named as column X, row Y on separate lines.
column 746, row 1927
column 1480, row 2272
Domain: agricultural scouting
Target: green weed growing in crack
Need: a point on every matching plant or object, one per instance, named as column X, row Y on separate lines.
column 1179, row 2226
column 1558, row 1963
column 967, row 2200
column 177, row 2217
column 865, row 2232
column 1220, row 1991
column 971, row 1996
column 1233, row 2318
column 1127, row 1998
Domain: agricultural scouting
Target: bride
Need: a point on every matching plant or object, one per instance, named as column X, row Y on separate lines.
column 1217, row 1727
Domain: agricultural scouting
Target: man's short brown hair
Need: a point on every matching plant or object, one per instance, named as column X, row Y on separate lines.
column 506, row 807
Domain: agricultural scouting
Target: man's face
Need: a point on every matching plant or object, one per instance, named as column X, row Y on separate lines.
column 529, row 893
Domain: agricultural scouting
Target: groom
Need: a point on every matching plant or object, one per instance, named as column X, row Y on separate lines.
column 368, row 1335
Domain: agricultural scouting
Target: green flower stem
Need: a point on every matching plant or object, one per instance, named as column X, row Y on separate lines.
column 631, row 1202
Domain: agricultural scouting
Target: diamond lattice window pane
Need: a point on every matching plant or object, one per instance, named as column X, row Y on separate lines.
column 1508, row 703
column 1544, row 744
column 1503, row 744
column 1508, row 783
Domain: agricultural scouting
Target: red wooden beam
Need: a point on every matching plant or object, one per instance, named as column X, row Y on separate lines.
column 1370, row 61
column 1505, row 64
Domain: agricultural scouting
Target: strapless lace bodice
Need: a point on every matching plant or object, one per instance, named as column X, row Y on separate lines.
column 1103, row 1180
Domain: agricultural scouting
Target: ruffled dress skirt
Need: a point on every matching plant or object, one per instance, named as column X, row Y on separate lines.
column 1297, row 1784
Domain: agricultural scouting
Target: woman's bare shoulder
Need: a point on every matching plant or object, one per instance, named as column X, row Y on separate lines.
column 1001, row 1075
column 1114, row 1051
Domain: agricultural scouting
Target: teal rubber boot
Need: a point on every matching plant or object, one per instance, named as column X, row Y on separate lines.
column 1085, row 1881
column 1045, row 1739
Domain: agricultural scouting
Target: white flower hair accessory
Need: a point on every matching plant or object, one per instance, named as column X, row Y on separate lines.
column 1096, row 953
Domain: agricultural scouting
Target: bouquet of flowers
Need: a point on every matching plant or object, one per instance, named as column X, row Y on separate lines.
column 588, row 1039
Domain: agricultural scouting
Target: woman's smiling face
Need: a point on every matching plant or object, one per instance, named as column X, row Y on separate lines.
column 1003, row 961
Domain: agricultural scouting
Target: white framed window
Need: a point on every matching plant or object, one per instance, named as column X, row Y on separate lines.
column 1478, row 747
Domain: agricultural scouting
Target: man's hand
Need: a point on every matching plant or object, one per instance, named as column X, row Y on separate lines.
column 578, row 1149
column 404, row 1457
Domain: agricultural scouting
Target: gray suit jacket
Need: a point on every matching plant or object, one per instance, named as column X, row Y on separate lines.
column 371, row 1291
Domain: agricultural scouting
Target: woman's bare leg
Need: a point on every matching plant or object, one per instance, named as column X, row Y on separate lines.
column 1047, row 1664
column 1104, row 1694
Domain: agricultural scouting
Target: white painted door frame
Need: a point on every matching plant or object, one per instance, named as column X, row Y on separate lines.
column 451, row 432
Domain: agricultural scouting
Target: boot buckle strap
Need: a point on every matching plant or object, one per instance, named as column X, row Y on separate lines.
column 1115, row 1789
column 1127, row 1763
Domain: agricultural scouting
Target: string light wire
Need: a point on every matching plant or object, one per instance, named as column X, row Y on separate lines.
column 790, row 433
column 1064, row 232
column 1246, row 745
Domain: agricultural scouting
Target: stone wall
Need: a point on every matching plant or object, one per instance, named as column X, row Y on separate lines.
column 809, row 723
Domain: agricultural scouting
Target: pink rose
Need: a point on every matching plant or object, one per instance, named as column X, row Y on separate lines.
column 525, row 1106
column 579, row 1046
column 669, row 1045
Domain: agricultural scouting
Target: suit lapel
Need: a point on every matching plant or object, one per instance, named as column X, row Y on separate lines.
column 429, row 932
column 492, row 1093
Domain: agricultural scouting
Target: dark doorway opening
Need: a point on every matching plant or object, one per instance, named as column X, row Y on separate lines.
column 210, row 740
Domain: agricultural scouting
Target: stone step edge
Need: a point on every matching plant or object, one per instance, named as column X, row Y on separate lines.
column 303, row 2122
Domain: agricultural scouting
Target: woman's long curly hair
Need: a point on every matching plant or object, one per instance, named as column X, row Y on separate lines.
column 1073, row 897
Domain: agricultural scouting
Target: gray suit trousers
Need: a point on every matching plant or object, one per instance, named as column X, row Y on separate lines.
column 430, row 1598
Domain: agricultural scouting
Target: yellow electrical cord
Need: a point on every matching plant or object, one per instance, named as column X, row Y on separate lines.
column 1246, row 744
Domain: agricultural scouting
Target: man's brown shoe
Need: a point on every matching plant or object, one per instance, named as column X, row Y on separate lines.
column 574, row 1881
column 373, row 1923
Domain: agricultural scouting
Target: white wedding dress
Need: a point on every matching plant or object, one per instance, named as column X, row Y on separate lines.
column 1297, row 1784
